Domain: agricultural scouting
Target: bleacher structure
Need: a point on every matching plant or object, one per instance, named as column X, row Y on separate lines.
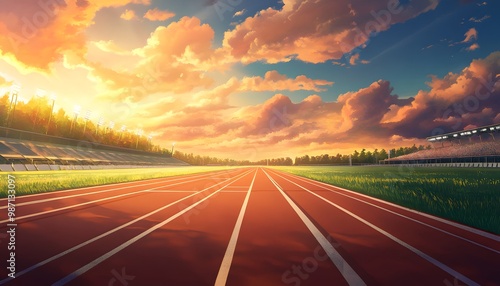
column 31, row 155
column 479, row 147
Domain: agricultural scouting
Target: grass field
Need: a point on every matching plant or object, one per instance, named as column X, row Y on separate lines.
column 49, row 181
column 469, row 196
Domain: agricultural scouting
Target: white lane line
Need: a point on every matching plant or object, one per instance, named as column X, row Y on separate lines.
column 94, row 201
column 430, row 259
column 351, row 277
column 231, row 247
column 167, row 179
column 403, row 216
column 29, row 269
column 84, row 194
column 457, row 225
column 167, row 191
column 124, row 245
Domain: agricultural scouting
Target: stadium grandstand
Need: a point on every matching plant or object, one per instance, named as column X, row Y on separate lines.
column 28, row 151
column 479, row 147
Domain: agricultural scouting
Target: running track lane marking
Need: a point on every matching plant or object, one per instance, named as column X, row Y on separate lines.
column 185, row 176
column 29, row 269
column 430, row 259
column 351, row 277
column 95, row 201
column 403, row 216
column 92, row 193
column 231, row 247
column 457, row 225
column 124, row 245
column 106, row 234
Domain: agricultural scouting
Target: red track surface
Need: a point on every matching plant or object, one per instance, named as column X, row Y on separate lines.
column 244, row 227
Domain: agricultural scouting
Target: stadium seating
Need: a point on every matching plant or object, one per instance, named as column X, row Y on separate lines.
column 18, row 155
column 481, row 149
column 483, row 154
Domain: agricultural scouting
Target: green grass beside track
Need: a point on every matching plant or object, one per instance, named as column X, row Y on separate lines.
column 467, row 195
column 49, row 181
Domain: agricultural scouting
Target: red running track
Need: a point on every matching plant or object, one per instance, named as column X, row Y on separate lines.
column 250, row 226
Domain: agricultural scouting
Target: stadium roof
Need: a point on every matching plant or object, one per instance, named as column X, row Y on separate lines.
column 465, row 133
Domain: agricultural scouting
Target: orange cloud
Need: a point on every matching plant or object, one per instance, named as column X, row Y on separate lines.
column 455, row 101
column 158, row 15
column 175, row 59
column 128, row 15
column 316, row 30
column 473, row 47
column 111, row 47
column 371, row 117
column 53, row 28
column 274, row 81
column 470, row 35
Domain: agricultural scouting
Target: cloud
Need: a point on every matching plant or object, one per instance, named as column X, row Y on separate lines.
column 316, row 30
column 473, row 47
column 453, row 102
column 239, row 13
column 111, row 47
column 470, row 35
column 54, row 29
column 371, row 117
column 480, row 20
column 128, row 15
column 274, row 81
column 158, row 15
column 176, row 59
column 354, row 59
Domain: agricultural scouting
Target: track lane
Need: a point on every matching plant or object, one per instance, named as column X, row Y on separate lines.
column 152, row 244
column 467, row 232
column 61, row 194
column 458, row 257
column 44, row 207
column 275, row 247
column 185, row 243
column 87, row 224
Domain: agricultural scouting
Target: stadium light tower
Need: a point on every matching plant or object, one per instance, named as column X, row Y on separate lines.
column 100, row 122
column 173, row 144
column 40, row 93
column 111, row 125
column 88, row 114
column 77, row 109
column 122, row 130
column 139, row 134
column 14, row 92
column 53, row 98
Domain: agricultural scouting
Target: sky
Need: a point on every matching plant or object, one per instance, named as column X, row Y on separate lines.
column 262, row 79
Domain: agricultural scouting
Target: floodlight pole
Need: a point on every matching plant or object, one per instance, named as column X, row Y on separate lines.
column 50, row 115
column 77, row 111
column 172, row 154
column 13, row 101
column 39, row 94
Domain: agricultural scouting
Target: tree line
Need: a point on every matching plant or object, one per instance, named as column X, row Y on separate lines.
column 355, row 158
column 37, row 115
